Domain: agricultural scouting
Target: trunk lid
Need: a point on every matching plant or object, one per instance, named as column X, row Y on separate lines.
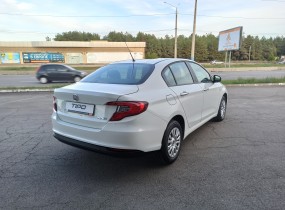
column 84, row 104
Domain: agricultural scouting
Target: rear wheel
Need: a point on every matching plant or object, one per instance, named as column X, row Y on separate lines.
column 222, row 110
column 77, row 79
column 171, row 142
column 43, row 80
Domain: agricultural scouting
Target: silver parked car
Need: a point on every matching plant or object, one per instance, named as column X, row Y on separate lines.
column 143, row 105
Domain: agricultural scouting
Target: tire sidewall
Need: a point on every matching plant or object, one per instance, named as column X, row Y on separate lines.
column 43, row 82
column 219, row 116
column 164, row 147
column 77, row 79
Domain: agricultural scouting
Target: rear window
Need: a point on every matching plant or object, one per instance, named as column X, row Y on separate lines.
column 121, row 73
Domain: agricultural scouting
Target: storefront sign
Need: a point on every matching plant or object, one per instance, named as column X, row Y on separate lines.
column 8, row 57
column 43, row 57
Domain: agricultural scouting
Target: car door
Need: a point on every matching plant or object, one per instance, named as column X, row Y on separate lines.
column 211, row 90
column 51, row 72
column 190, row 95
column 64, row 73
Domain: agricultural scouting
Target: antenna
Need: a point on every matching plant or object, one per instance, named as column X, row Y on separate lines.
column 130, row 52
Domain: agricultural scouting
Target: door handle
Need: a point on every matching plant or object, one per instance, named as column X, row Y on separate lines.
column 206, row 89
column 184, row 93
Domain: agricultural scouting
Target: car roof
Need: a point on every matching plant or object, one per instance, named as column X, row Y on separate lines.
column 58, row 64
column 152, row 61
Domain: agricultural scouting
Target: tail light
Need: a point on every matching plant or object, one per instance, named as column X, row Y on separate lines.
column 127, row 108
column 54, row 104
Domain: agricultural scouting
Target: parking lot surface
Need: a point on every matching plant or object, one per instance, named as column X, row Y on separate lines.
column 235, row 164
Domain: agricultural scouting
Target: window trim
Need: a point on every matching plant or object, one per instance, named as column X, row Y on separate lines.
column 168, row 66
column 191, row 69
column 142, row 80
column 163, row 77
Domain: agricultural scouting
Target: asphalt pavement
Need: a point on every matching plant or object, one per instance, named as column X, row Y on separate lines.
column 238, row 163
column 22, row 81
column 233, row 75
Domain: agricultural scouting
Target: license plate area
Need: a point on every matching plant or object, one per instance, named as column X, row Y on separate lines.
column 80, row 108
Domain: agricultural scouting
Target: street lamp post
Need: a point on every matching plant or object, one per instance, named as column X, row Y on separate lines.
column 175, row 39
column 194, row 33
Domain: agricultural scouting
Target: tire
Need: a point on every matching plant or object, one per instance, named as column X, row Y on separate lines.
column 171, row 142
column 222, row 110
column 77, row 79
column 43, row 80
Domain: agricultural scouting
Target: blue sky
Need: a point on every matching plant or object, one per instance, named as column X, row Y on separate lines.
column 33, row 20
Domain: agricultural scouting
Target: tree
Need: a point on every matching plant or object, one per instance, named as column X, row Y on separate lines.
column 76, row 36
column 206, row 45
column 114, row 36
column 48, row 39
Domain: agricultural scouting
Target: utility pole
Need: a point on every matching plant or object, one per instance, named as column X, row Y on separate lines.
column 249, row 53
column 175, row 39
column 194, row 33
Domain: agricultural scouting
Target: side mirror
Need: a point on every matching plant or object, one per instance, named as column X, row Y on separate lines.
column 216, row 78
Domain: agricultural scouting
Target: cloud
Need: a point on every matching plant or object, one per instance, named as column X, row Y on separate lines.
column 153, row 24
column 14, row 5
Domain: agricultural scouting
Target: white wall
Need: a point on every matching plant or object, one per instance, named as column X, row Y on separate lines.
column 107, row 57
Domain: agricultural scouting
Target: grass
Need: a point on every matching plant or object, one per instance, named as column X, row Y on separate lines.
column 240, row 65
column 254, row 81
column 18, row 68
column 35, row 87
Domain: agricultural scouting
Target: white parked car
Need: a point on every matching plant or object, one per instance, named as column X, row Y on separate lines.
column 216, row 62
column 146, row 105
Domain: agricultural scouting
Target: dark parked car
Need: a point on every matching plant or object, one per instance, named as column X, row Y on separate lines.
column 58, row 72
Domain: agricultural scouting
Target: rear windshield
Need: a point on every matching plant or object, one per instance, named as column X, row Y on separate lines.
column 121, row 73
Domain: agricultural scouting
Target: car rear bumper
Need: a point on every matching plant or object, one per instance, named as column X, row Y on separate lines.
column 92, row 147
column 141, row 136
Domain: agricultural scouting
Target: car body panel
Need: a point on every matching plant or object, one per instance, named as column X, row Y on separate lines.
column 143, row 132
column 93, row 94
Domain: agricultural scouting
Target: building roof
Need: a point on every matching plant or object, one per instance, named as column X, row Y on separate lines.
column 71, row 44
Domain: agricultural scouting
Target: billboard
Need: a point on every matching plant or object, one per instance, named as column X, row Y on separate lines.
column 75, row 58
column 9, row 57
column 38, row 57
column 230, row 39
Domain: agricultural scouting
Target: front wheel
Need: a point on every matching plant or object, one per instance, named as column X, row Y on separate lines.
column 77, row 79
column 171, row 142
column 43, row 80
column 222, row 110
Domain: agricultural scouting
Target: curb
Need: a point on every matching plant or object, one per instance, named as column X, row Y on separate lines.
column 228, row 85
column 26, row 90
column 256, row 85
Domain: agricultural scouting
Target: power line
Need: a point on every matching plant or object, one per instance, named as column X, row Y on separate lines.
column 85, row 16
column 254, row 18
column 37, row 32
column 139, row 15
column 145, row 31
column 274, row 0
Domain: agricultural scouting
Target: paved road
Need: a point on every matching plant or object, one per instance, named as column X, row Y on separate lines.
column 235, row 164
column 250, row 74
column 30, row 80
column 22, row 81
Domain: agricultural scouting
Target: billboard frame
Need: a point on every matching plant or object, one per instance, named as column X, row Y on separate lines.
column 230, row 33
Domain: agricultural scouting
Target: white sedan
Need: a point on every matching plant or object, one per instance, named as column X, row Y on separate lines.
column 143, row 105
column 216, row 62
